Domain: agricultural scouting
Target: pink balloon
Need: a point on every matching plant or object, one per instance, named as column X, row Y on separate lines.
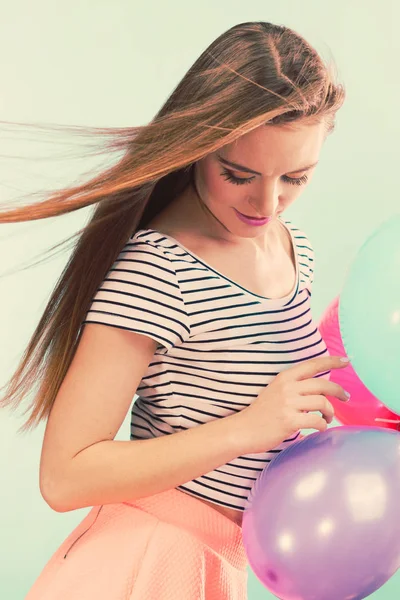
column 363, row 408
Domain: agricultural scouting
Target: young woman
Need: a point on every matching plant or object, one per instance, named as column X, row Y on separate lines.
column 190, row 289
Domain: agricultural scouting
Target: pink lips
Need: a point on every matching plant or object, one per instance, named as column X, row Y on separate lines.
column 252, row 220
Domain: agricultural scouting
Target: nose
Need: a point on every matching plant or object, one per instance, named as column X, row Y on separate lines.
column 267, row 201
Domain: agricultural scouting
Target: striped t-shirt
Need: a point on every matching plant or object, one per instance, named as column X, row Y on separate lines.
column 219, row 344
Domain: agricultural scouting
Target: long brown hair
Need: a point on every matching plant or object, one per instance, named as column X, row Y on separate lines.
column 255, row 73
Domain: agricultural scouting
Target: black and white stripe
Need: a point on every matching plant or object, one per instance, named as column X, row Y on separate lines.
column 219, row 344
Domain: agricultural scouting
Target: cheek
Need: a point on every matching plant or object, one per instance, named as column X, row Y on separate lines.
column 290, row 193
column 219, row 191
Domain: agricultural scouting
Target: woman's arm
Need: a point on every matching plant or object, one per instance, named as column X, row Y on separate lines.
column 81, row 463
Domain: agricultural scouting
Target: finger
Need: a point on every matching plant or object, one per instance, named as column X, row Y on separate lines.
column 312, row 421
column 313, row 366
column 322, row 387
column 316, row 403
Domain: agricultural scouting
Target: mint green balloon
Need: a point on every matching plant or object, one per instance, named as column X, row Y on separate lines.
column 369, row 313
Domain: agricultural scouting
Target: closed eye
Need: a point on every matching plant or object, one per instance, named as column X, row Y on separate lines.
column 244, row 180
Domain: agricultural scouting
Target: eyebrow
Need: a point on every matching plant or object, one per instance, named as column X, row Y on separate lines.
column 247, row 170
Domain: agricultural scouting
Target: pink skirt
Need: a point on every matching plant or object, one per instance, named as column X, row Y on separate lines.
column 170, row 546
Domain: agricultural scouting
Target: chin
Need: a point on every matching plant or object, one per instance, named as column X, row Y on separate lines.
column 248, row 232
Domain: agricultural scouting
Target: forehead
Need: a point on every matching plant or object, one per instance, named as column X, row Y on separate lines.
column 272, row 148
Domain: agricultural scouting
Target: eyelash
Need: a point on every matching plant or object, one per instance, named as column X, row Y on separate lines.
column 241, row 181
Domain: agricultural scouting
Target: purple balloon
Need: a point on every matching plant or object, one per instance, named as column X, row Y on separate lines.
column 322, row 521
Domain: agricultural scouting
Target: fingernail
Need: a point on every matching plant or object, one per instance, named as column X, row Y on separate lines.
column 345, row 359
column 348, row 396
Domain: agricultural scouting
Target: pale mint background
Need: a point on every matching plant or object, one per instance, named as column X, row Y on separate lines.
column 113, row 63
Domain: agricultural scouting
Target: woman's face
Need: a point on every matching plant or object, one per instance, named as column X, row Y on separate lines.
column 282, row 156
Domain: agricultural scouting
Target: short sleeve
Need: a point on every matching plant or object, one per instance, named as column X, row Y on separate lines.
column 305, row 257
column 310, row 256
column 141, row 293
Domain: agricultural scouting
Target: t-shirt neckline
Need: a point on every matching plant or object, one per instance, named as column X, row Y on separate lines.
column 283, row 300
